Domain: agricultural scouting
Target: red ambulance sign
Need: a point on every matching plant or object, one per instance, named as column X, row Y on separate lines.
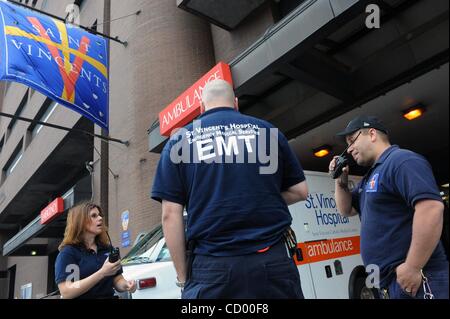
column 186, row 107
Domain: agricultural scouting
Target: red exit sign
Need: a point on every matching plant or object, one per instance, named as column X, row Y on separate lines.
column 186, row 107
column 53, row 210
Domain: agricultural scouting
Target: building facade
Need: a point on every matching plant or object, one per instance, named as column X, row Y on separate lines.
column 307, row 66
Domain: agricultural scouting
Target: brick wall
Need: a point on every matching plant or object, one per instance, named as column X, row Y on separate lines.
column 168, row 50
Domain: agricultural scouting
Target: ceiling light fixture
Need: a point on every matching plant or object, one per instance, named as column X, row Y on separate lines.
column 414, row 112
column 322, row 151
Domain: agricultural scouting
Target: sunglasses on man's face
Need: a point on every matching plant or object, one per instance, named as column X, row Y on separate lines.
column 351, row 140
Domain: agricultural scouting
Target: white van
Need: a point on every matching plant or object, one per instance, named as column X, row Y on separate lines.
column 331, row 267
column 150, row 265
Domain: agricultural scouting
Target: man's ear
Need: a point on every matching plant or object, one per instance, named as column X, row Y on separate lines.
column 373, row 134
column 236, row 104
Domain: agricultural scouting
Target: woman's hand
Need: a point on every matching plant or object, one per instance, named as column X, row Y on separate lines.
column 122, row 285
column 130, row 286
column 71, row 290
column 108, row 269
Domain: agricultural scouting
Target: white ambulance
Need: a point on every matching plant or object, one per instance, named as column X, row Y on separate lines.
column 331, row 267
column 331, row 264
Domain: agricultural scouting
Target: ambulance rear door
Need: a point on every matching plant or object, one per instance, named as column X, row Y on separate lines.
column 328, row 241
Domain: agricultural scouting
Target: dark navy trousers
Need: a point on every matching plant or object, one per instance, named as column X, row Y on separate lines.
column 269, row 275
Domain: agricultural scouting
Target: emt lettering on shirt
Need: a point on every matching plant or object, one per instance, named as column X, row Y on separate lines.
column 250, row 163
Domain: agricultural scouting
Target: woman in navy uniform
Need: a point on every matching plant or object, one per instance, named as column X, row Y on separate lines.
column 82, row 268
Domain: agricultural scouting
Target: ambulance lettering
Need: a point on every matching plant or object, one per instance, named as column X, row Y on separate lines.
column 320, row 202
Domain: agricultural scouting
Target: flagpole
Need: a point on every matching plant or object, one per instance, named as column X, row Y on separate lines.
column 116, row 39
column 68, row 129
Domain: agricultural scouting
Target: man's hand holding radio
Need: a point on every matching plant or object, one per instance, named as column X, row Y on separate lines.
column 342, row 179
column 342, row 194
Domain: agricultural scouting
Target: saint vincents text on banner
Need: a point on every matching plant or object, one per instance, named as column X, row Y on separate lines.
column 63, row 62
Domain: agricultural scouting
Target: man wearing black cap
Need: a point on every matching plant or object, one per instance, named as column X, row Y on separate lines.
column 401, row 213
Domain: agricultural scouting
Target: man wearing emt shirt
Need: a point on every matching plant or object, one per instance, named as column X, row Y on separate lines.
column 235, row 175
column 401, row 213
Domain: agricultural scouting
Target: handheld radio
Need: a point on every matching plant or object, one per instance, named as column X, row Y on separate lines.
column 342, row 161
column 114, row 253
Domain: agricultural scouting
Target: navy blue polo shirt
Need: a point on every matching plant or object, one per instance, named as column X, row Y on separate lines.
column 385, row 200
column 88, row 262
column 232, row 208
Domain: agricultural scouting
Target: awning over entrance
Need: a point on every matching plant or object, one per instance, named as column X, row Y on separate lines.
column 227, row 14
column 322, row 61
column 22, row 244
column 253, row 70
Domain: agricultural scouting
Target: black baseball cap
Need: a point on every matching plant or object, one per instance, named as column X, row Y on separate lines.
column 362, row 122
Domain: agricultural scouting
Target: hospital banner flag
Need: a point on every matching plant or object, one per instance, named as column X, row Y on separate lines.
column 64, row 62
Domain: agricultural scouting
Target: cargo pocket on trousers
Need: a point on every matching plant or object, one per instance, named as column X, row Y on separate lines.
column 285, row 269
column 282, row 281
column 212, row 283
column 191, row 291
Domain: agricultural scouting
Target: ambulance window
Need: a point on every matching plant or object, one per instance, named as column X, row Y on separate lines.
column 328, row 271
column 338, row 267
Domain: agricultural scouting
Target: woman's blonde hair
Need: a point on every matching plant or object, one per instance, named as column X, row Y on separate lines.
column 77, row 220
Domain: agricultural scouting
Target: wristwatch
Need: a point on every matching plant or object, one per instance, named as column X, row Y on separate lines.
column 179, row 283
